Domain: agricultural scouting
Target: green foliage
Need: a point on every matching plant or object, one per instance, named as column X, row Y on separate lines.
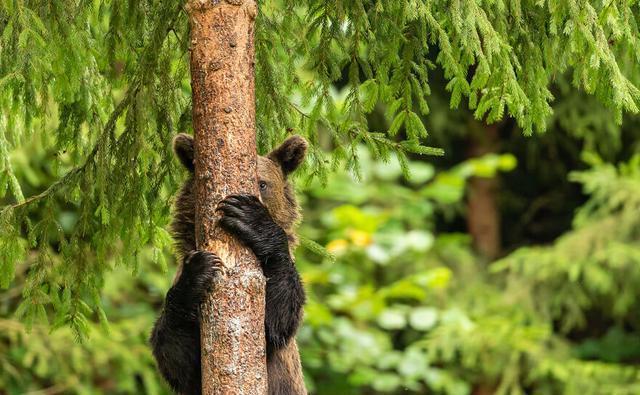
column 501, row 56
column 101, row 106
column 113, row 360
column 408, row 309
column 370, row 312
column 595, row 266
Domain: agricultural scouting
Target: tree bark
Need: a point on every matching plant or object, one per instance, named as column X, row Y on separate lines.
column 222, row 80
column 483, row 214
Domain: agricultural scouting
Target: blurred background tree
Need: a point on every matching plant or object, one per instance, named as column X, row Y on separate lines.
column 506, row 266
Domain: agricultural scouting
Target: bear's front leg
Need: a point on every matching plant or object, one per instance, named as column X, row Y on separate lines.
column 245, row 217
column 175, row 338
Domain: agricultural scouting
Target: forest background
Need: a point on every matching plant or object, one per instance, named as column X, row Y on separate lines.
column 471, row 198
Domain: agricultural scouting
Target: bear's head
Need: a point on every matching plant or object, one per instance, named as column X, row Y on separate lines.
column 276, row 192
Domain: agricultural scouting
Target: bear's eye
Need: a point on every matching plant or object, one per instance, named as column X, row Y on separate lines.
column 263, row 185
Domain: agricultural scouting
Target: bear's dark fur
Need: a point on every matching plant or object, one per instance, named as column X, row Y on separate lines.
column 269, row 230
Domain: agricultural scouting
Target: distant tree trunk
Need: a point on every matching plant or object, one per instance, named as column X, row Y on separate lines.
column 483, row 389
column 483, row 214
column 222, row 79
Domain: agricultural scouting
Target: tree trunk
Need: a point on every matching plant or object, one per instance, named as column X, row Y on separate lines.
column 483, row 215
column 222, row 79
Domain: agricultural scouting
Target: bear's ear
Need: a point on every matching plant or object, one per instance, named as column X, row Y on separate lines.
column 183, row 147
column 290, row 154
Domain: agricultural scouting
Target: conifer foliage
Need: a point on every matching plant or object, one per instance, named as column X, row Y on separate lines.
column 104, row 86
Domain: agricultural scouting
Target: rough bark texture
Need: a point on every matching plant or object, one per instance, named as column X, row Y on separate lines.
column 222, row 79
column 483, row 219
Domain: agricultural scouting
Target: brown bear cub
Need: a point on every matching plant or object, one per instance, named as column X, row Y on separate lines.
column 267, row 228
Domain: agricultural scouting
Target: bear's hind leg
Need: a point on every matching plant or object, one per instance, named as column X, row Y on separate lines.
column 175, row 338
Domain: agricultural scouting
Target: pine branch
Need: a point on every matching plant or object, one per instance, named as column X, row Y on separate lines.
column 67, row 178
column 298, row 110
column 146, row 61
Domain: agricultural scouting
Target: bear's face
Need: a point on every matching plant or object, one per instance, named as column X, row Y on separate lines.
column 276, row 192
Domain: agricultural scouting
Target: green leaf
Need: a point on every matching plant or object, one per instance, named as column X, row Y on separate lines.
column 392, row 319
column 423, row 318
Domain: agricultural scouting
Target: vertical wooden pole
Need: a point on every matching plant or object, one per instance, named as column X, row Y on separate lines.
column 222, row 79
